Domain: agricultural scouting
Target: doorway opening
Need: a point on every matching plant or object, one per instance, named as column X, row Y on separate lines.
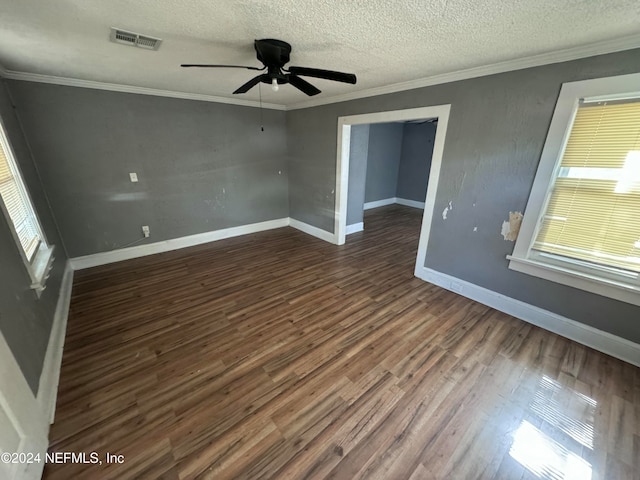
column 438, row 115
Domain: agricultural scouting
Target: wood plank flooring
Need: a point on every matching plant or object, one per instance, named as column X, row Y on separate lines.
column 277, row 355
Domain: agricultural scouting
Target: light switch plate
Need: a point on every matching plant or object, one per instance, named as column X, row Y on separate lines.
column 134, row 177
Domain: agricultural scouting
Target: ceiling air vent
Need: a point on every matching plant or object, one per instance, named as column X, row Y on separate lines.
column 134, row 39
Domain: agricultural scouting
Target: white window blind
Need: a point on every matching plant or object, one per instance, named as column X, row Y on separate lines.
column 593, row 212
column 17, row 203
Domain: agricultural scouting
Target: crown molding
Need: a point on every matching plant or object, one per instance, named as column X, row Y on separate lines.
column 116, row 87
column 565, row 55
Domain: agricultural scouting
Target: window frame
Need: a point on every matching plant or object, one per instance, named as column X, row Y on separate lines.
column 42, row 261
column 566, row 271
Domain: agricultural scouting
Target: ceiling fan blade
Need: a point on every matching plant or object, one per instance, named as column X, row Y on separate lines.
column 303, row 85
column 221, row 66
column 326, row 74
column 249, row 85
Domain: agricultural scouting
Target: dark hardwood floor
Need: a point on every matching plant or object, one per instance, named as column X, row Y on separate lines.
column 277, row 355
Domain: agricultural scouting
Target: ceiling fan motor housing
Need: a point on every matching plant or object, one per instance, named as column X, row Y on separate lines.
column 272, row 53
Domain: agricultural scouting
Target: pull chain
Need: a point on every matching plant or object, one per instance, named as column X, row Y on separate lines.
column 260, row 93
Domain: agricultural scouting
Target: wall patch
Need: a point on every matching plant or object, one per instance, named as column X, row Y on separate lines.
column 446, row 210
column 511, row 228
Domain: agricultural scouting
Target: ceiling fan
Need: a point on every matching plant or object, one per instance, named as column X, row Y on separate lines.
column 274, row 55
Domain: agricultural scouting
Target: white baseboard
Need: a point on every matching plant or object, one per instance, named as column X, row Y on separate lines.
column 379, row 203
column 592, row 337
column 113, row 256
column 50, row 376
column 104, row 258
column 390, row 201
column 354, row 228
column 409, row 203
column 311, row 230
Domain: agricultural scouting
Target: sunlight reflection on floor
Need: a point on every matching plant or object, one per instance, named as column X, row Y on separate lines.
column 548, row 405
column 545, row 457
column 542, row 455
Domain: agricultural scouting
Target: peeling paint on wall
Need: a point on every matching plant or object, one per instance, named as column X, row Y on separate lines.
column 446, row 210
column 511, row 228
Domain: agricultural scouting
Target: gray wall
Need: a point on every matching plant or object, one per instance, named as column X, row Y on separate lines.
column 496, row 132
column 393, row 161
column 358, row 152
column 25, row 320
column 201, row 166
column 383, row 161
column 415, row 160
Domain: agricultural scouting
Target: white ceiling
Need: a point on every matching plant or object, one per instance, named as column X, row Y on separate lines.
column 383, row 42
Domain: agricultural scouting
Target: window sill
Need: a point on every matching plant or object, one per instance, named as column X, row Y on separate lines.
column 624, row 292
column 40, row 269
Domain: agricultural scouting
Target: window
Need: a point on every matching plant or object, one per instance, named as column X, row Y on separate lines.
column 16, row 206
column 582, row 223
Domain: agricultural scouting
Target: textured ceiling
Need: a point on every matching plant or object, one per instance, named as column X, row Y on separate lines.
column 382, row 41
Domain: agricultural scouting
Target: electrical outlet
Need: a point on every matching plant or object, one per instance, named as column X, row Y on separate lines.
column 134, row 177
column 145, row 231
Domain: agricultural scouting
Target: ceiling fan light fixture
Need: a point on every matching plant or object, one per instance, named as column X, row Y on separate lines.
column 274, row 55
